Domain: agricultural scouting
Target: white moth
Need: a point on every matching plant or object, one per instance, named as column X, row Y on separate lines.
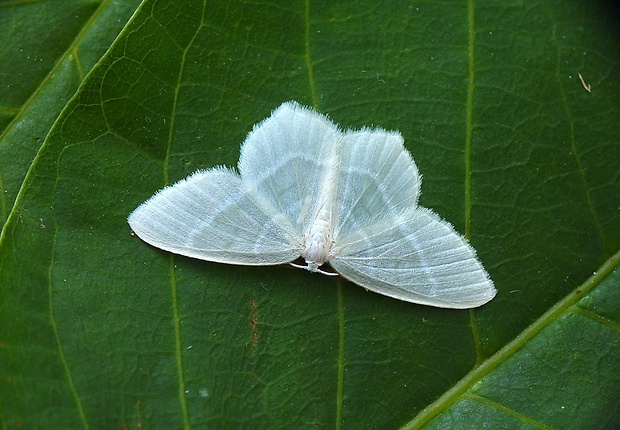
column 307, row 189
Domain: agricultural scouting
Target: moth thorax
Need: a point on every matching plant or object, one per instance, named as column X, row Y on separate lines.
column 317, row 244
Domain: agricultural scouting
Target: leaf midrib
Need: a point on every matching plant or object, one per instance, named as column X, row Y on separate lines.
column 176, row 317
column 489, row 365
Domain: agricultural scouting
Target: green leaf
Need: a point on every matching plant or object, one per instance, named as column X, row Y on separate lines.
column 100, row 330
column 41, row 69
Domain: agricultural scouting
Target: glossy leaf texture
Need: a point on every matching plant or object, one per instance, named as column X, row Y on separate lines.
column 510, row 110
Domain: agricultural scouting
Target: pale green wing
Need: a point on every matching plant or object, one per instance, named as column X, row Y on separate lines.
column 212, row 216
column 416, row 257
column 377, row 177
column 290, row 159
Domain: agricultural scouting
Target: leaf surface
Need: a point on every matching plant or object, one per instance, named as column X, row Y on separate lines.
column 99, row 330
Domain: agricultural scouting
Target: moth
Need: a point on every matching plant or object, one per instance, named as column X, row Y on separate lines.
column 305, row 188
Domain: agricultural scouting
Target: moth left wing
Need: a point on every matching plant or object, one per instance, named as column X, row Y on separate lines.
column 290, row 159
column 212, row 216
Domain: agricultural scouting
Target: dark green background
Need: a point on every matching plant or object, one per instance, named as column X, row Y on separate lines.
column 102, row 104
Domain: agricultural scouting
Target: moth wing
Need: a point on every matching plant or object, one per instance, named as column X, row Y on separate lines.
column 290, row 158
column 416, row 257
column 212, row 216
column 377, row 177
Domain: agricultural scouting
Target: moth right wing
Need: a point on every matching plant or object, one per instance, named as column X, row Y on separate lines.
column 417, row 257
column 377, row 177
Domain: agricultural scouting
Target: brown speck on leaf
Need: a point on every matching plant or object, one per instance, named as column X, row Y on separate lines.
column 254, row 322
